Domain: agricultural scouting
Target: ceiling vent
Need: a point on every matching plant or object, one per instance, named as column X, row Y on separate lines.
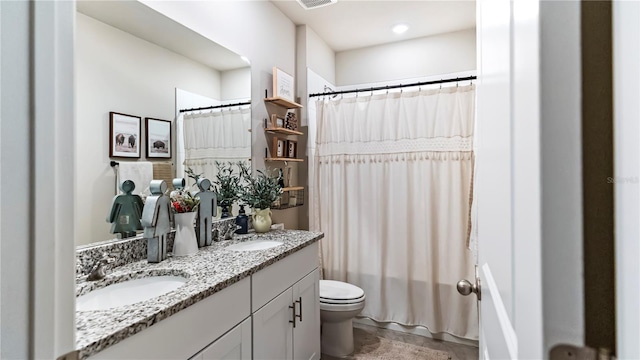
column 314, row 4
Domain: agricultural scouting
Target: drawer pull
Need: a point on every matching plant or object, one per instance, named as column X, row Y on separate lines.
column 293, row 309
column 299, row 301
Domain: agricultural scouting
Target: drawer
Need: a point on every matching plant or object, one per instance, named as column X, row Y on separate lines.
column 267, row 283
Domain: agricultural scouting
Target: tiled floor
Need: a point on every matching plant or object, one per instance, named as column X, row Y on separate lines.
column 456, row 351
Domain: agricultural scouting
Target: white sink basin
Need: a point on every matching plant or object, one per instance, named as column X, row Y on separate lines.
column 254, row 245
column 128, row 292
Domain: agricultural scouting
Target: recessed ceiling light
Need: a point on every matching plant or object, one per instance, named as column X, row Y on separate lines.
column 400, row 28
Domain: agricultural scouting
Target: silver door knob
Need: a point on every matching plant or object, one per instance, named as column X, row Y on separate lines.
column 465, row 288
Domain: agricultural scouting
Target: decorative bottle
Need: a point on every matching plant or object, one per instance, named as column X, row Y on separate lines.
column 242, row 220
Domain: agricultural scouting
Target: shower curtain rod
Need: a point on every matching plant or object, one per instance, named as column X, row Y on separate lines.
column 217, row 106
column 441, row 81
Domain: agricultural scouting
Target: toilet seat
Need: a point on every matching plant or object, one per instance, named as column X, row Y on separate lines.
column 340, row 293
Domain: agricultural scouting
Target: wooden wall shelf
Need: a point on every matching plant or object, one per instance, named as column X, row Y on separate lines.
column 280, row 130
column 283, row 102
column 292, row 188
column 282, row 207
column 283, row 159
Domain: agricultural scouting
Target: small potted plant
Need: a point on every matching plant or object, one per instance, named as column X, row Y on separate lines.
column 260, row 192
column 226, row 187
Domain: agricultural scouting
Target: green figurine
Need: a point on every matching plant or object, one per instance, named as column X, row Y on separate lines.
column 126, row 211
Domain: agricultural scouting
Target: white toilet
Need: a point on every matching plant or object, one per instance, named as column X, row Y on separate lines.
column 339, row 304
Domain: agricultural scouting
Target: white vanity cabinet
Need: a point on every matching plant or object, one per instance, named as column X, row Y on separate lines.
column 187, row 332
column 274, row 314
column 234, row 345
column 286, row 324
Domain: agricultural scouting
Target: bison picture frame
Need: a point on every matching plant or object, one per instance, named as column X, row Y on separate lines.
column 158, row 134
column 124, row 135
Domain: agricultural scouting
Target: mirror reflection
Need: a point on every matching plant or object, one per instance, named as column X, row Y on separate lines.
column 134, row 61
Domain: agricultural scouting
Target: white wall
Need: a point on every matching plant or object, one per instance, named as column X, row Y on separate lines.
column 257, row 30
column 116, row 71
column 432, row 55
column 313, row 55
column 320, row 57
column 235, row 85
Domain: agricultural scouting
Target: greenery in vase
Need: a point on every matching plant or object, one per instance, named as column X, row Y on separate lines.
column 262, row 190
column 227, row 184
column 190, row 173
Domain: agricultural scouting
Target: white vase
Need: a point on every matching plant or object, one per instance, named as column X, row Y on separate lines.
column 185, row 241
column 262, row 220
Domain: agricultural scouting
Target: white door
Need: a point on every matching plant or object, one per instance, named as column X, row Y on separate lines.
column 493, row 191
column 306, row 334
column 273, row 330
column 626, row 47
column 528, row 173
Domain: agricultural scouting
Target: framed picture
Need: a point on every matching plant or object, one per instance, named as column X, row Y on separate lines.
column 277, row 121
column 292, row 149
column 158, row 134
column 278, row 147
column 124, row 135
column 282, row 84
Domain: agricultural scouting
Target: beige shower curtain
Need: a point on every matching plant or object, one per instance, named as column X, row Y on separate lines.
column 391, row 192
column 216, row 136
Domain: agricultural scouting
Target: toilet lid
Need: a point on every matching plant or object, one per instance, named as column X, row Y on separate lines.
column 331, row 290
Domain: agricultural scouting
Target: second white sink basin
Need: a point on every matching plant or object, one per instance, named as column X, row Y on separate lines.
column 254, row 245
column 128, row 292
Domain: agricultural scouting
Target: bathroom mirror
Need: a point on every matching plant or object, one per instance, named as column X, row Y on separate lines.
column 132, row 60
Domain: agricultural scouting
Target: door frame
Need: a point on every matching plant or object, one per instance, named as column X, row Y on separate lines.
column 38, row 246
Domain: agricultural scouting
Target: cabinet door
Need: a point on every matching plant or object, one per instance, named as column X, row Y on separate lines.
column 272, row 330
column 306, row 335
column 236, row 345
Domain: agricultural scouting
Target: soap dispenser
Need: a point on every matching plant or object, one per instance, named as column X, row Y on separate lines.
column 242, row 220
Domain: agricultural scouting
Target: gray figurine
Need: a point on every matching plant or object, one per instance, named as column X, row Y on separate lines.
column 126, row 211
column 178, row 184
column 206, row 210
column 156, row 219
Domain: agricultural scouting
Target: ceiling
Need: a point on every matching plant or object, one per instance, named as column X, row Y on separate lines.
column 141, row 21
column 352, row 24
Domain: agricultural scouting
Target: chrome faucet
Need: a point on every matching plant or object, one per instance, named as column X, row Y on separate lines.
column 98, row 272
column 227, row 234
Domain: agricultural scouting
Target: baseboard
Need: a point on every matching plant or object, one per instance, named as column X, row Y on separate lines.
column 416, row 330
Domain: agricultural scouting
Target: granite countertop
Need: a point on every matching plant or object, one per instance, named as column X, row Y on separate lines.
column 210, row 270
